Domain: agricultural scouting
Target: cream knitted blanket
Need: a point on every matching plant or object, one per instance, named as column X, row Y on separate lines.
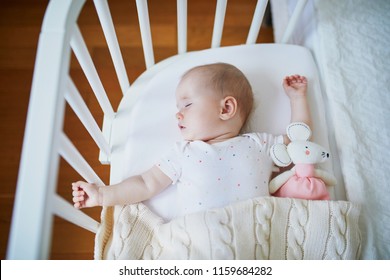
column 260, row 228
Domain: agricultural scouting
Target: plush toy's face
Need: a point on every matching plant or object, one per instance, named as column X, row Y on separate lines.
column 306, row 152
column 300, row 150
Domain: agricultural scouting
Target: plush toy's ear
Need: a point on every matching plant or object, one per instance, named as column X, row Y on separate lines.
column 298, row 131
column 280, row 155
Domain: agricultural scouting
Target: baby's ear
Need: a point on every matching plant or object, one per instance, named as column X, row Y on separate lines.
column 280, row 155
column 228, row 108
column 298, row 131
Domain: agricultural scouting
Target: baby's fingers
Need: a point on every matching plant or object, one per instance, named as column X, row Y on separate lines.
column 78, row 201
column 78, row 193
column 78, row 198
column 78, row 186
column 77, row 205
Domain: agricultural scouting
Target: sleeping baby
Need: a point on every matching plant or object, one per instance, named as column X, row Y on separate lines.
column 214, row 165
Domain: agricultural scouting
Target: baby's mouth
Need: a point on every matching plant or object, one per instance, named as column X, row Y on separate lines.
column 181, row 127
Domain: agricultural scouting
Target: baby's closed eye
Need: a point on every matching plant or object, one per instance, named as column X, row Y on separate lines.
column 188, row 105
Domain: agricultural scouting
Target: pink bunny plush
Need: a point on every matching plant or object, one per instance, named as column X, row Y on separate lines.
column 303, row 181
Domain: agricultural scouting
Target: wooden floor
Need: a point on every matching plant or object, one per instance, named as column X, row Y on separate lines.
column 20, row 22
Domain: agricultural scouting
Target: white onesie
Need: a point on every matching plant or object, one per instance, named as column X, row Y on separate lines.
column 214, row 175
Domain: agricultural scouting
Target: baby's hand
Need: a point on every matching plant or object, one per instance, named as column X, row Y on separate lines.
column 85, row 195
column 295, row 86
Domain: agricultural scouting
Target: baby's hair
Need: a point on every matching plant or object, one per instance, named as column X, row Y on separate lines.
column 229, row 81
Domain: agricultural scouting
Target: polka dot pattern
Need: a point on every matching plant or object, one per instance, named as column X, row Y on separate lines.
column 209, row 176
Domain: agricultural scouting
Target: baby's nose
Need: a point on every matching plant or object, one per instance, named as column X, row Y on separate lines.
column 179, row 116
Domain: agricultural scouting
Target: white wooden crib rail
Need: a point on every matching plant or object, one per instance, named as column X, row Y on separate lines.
column 36, row 199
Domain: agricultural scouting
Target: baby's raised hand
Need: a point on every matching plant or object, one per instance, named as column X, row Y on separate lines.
column 295, row 85
column 85, row 195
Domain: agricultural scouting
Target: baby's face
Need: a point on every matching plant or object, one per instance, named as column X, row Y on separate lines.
column 199, row 109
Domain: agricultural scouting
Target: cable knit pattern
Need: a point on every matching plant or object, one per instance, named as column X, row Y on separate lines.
column 176, row 241
column 103, row 236
column 296, row 229
column 260, row 228
column 263, row 211
column 221, row 236
column 336, row 244
column 123, row 230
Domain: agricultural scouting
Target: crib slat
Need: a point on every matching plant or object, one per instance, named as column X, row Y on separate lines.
column 69, row 152
column 81, row 51
column 256, row 21
column 65, row 210
column 182, row 25
column 146, row 35
column 105, row 18
column 293, row 20
column 218, row 23
column 78, row 105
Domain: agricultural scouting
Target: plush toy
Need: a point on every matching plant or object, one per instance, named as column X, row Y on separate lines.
column 303, row 180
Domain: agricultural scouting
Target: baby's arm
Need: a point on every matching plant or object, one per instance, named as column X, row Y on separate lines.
column 132, row 190
column 295, row 87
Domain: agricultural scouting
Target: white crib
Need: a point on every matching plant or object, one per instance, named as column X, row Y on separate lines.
column 45, row 142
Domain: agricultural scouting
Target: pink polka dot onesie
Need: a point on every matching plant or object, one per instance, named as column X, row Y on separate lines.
column 214, row 175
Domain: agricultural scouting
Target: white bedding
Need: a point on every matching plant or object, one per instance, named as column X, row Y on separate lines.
column 350, row 42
